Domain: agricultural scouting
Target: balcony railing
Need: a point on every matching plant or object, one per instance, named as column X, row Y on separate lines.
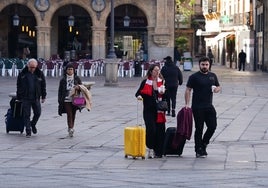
column 237, row 19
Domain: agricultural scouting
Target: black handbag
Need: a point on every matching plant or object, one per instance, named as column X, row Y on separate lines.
column 161, row 105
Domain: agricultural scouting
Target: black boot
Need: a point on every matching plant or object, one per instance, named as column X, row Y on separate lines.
column 173, row 113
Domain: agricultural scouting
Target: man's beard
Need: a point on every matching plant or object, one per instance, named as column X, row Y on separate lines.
column 204, row 70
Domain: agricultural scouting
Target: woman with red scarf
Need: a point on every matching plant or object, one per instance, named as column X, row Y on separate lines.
column 152, row 88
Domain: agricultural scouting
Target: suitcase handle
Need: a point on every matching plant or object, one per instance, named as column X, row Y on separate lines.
column 140, row 124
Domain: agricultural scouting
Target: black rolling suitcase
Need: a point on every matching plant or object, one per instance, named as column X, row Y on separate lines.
column 169, row 148
column 14, row 117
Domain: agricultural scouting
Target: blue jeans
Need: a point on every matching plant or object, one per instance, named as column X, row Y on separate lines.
column 27, row 105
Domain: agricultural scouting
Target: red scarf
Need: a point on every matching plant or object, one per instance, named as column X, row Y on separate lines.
column 148, row 90
column 148, row 86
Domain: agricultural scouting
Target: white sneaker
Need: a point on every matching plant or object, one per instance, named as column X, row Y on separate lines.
column 71, row 132
column 150, row 154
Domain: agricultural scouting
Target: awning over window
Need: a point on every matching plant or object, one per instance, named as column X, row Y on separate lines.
column 223, row 35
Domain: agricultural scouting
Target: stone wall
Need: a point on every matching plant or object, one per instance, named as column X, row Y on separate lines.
column 159, row 15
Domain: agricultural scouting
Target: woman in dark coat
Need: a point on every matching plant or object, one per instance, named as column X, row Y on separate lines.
column 150, row 89
column 69, row 81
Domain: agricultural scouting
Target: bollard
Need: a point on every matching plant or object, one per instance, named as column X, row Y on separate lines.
column 111, row 69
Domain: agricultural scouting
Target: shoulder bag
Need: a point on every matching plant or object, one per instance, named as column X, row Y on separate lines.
column 79, row 100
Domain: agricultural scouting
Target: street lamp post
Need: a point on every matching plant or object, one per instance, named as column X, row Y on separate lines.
column 199, row 34
column 111, row 54
column 111, row 63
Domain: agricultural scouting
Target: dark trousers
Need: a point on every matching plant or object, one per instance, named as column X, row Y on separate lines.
column 71, row 112
column 149, row 117
column 210, row 63
column 241, row 65
column 27, row 105
column 201, row 116
column 171, row 97
column 159, row 138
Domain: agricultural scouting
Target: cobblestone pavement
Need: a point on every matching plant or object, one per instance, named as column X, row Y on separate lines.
column 94, row 157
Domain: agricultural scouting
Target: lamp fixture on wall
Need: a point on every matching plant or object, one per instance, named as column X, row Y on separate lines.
column 126, row 19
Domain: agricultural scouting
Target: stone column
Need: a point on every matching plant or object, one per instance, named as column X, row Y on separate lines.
column 98, row 42
column 111, row 72
column 162, row 29
column 151, row 44
column 264, row 36
column 163, row 33
column 43, row 42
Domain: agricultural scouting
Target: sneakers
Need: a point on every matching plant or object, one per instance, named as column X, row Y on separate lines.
column 28, row 133
column 71, row 132
column 150, row 154
column 168, row 113
column 201, row 153
column 205, row 149
column 34, row 130
column 158, row 156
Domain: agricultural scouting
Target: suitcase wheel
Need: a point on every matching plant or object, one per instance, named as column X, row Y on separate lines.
column 125, row 156
column 143, row 158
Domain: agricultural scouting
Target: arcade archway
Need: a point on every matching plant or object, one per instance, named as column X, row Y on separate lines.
column 20, row 36
column 129, row 39
column 76, row 39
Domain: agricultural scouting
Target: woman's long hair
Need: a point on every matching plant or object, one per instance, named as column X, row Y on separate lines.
column 150, row 70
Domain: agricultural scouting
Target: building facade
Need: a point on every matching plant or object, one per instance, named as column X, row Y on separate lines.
column 229, row 29
column 46, row 27
column 261, row 29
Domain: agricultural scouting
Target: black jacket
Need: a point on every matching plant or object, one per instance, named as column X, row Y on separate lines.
column 172, row 74
column 62, row 92
column 23, row 84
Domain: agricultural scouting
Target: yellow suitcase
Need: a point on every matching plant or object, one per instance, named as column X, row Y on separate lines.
column 134, row 141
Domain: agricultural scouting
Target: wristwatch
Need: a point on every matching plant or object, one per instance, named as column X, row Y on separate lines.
column 98, row 5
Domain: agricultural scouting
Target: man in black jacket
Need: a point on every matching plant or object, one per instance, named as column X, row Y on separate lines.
column 173, row 78
column 31, row 88
column 242, row 60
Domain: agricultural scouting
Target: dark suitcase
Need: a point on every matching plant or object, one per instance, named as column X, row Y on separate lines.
column 16, row 107
column 168, row 146
column 14, row 117
column 13, row 123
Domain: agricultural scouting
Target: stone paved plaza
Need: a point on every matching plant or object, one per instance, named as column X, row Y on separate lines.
column 94, row 157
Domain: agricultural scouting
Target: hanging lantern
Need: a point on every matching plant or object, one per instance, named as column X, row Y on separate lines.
column 16, row 20
column 71, row 21
column 126, row 21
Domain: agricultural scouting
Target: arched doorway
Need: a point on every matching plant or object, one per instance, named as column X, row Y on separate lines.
column 17, row 37
column 76, row 39
column 128, row 38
